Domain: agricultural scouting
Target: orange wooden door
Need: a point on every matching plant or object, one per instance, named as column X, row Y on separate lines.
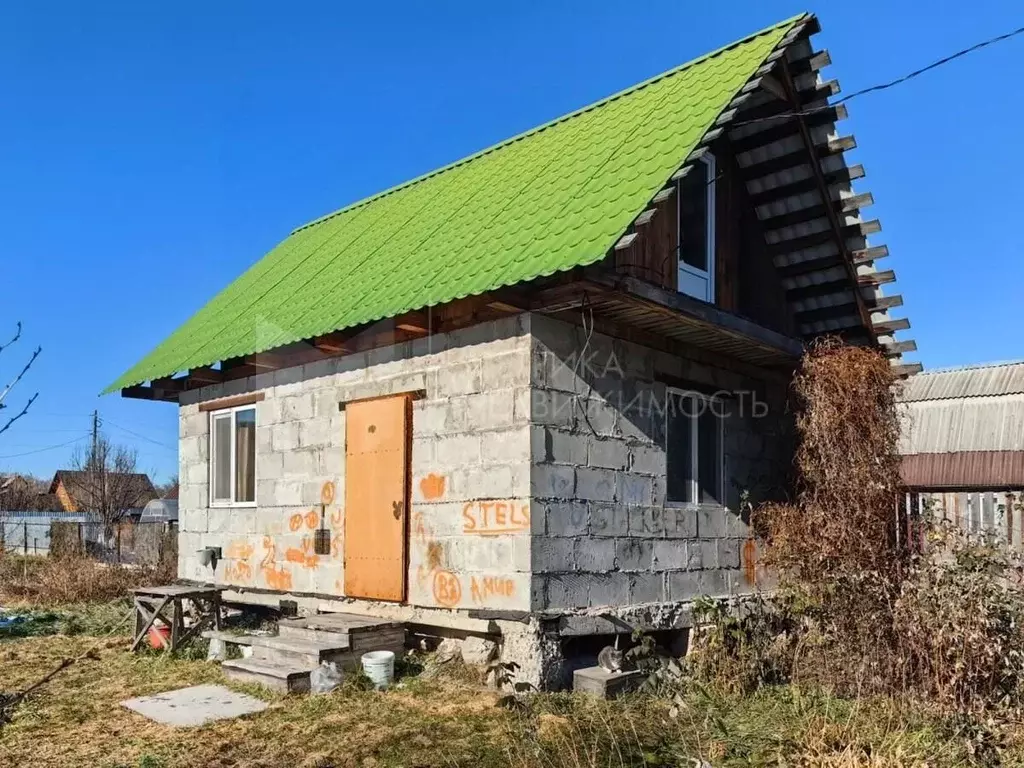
column 376, row 495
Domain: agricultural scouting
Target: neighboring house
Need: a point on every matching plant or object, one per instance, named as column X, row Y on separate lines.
column 74, row 490
column 529, row 393
column 25, row 494
column 963, row 446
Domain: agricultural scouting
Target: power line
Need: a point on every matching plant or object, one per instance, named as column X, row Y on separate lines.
column 47, row 448
column 141, row 437
column 887, row 85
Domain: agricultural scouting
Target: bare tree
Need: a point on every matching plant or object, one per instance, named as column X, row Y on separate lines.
column 11, row 384
column 104, row 482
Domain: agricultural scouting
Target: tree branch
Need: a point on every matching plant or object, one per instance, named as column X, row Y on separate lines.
column 17, row 335
column 6, row 391
column 24, row 410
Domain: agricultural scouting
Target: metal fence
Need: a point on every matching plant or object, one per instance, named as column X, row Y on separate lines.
column 28, row 533
column 62, row 534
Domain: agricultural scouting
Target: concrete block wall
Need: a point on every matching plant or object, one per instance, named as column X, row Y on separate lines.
column 604, row 534
column 470, row 471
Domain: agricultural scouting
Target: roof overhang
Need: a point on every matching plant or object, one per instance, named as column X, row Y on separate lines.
column 964, row 470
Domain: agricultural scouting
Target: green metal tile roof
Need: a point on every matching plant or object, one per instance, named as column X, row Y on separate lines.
column 551, row 199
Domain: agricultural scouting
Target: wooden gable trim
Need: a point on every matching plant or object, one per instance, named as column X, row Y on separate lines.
column 231, row 402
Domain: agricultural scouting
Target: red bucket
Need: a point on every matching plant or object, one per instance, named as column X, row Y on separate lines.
column 158, row 631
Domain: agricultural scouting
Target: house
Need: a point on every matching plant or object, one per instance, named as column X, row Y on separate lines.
column 962, row 442
column 529, row 394
column 79, row 491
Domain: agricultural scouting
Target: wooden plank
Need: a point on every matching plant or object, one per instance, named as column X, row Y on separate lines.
column 645, row 217
column 876, row 278
column 888, row 327
column 232, row 402
column 842, row 176
column 907, row 369
column 865, row 255
column 625, row 241
column 883, row 303
column 897, row 348
column 206, row 375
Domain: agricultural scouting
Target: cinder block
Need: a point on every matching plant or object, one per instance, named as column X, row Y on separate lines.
column 683, row 585
column 566, row 447
column 599, row 682
column 314, row 432
column 569, row 518
column 428, row 417
column 297, row 407
column 714, row 582
column 634, row 554
column 552, row 555
column 608, row 519
column 490, row 554
column 270, row 466
column 609, row 589
column 522, row 406
column 680, row 522
column 491, row 409
column 567, row 590
column 457, row 450
column 646, row 522
column 646, row 588
column 297, row 464
column 608, row 453
column 550, row 481
column 284, row 437
column 729, row 553
column 197, row 473
column 460, row 379
column 670, row 554
column 635, row 489
column 708, row 552
column 601, row 416
column 493, row 482
column 595, row 555
column 595, row 484
column 647, row 460
column 553, row 409
column 510, row 446
column 422, row 454
column 506, row 371
column 711, row 523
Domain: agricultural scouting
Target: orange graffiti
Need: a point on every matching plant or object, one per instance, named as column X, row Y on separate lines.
column 337, row 542
column 488, row 586
column 305, row 556
column 327, row 493
column 277, row 577
column 432, row 486
column 418, row 528
column 447, row 589
column 238, row 572
column 239, row 550
column 336, row 517
column 750, row 561
column 295, row 521
column 312, row 519
column 490, row 518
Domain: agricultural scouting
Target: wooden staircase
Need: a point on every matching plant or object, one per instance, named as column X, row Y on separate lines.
column 283, row 661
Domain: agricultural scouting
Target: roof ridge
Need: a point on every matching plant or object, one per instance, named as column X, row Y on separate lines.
column 971, row 367
column 551, row 123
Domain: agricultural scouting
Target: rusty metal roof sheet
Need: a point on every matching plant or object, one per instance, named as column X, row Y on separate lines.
column 995, row 470
column 971, row 381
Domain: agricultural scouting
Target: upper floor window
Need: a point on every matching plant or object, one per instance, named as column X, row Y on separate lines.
column 694, row 431
column 233, row 457
column 697, row 230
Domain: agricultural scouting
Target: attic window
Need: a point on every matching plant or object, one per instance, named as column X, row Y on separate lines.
column 233, row 457
column 697, row 230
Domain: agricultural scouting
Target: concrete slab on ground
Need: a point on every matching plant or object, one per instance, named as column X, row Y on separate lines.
column 198, row 705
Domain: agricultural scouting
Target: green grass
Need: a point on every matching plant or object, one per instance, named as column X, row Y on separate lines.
column 76, row 720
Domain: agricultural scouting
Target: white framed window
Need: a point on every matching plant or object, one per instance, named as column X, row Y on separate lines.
column 694, row 440
column 696, row 220
column 233, row 457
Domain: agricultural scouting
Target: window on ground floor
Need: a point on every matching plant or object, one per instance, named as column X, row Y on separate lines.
column 694, row 429
column 233, row 456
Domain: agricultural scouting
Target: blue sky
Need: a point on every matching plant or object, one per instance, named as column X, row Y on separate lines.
column 151, row 152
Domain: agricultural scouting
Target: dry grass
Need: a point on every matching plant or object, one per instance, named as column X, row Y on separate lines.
column 76, row 720
column 48, row 581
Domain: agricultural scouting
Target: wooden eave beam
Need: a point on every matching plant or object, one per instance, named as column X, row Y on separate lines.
column 897, row 348
column 838, row 177
column 889, row 327
column 907, row 369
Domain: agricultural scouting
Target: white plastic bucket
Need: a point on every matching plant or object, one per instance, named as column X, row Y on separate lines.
column 379, row 666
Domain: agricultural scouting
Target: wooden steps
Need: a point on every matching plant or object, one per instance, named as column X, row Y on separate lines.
column 283, row 661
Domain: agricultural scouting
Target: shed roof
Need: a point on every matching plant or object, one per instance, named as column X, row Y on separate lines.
column 982, row 380
column 554, row 198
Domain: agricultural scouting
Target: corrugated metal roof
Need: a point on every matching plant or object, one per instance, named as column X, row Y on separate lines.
column 969, row 424
column 970, row 381
column 996, row 470
column 554, row 198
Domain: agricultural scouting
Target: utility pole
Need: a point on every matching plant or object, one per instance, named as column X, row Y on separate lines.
column 95, row 433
